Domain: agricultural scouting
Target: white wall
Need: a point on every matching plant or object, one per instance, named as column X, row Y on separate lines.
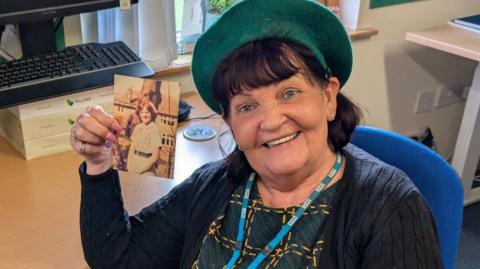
column 389, row 71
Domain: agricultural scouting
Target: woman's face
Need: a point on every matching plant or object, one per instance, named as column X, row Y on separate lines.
column 145, row 115
column 282, row 127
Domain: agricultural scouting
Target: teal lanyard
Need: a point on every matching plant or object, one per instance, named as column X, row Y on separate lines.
column 285, row 229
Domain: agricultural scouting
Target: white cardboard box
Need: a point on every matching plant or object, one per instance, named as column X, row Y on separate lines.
column 39, row 147
column 63, row 103
column 42, row 126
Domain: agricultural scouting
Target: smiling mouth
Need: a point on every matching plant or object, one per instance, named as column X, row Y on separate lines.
column 281, row 140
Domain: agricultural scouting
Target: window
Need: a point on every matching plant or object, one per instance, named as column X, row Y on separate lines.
column 190, row 21
column 178, row 15
column 188, row 24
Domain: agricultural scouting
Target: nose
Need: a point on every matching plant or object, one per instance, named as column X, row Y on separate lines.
column 273, row 118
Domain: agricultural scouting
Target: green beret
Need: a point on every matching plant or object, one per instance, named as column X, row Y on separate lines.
column 304, row 21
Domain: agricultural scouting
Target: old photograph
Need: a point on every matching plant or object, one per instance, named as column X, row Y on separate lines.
column 147, row 109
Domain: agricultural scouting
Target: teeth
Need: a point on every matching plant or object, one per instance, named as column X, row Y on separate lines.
column 282, row 140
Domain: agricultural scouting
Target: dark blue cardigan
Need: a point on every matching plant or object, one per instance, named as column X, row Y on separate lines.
column 378, row 220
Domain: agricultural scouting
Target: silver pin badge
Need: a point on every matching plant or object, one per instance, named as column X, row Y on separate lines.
column 199, row 133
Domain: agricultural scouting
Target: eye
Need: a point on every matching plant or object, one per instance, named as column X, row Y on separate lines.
column 290, row 93
column 245, row 108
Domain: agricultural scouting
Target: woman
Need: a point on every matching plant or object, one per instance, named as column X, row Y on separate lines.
column 145, row 141
column 292, row 194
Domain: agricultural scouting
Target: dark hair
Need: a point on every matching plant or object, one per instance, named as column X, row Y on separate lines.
column 267, row 61
column 153, row 94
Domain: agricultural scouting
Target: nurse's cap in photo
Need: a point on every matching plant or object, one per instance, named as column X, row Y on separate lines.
column 304, row 21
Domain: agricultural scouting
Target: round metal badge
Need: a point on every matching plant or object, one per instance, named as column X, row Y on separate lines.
column 199, row 133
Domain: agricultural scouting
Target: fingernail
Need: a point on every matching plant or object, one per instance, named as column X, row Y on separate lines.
column 108, row 146
column 111, row 137
column 116, row 127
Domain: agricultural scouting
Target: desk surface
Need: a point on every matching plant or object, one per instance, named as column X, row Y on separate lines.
column 450, row 39
column 40, row 198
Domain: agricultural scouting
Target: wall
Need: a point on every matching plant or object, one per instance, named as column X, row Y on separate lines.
column 388, row 71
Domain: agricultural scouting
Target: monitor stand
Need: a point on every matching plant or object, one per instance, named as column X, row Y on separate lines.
column 37, row 37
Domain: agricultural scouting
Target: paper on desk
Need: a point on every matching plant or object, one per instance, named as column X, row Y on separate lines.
column 452, row 23
column 147, row 109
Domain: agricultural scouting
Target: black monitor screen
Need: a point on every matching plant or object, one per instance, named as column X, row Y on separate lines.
column 15, row 11
column 35, row 19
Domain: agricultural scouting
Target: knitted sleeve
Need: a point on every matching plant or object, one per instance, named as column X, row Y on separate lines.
column 113, row 239
column 407, row 240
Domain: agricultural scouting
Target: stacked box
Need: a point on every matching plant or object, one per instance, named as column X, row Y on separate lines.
column 43, row 128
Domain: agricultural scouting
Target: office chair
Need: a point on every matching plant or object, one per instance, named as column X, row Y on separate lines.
column 434, row 177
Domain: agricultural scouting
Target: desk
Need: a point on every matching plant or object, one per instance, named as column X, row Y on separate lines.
column 466, row 44
column 40, row 198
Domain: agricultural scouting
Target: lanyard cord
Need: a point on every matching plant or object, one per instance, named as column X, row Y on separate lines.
column 285, row 229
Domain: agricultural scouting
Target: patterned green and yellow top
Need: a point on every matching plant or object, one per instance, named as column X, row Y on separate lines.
column 298, row 249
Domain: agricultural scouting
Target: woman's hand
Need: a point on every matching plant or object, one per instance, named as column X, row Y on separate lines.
column 92, row 136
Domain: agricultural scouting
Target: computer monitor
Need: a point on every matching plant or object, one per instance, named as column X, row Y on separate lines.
column 35, row 19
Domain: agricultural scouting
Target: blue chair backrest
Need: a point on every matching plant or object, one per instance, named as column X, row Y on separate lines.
column 434, row 177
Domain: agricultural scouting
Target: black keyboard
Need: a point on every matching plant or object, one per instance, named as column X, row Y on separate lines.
column 75, row 69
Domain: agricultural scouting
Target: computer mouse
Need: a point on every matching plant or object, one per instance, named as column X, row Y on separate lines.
column 183, row 110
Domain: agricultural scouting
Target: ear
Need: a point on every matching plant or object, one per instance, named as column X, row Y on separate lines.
column 331, row 92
